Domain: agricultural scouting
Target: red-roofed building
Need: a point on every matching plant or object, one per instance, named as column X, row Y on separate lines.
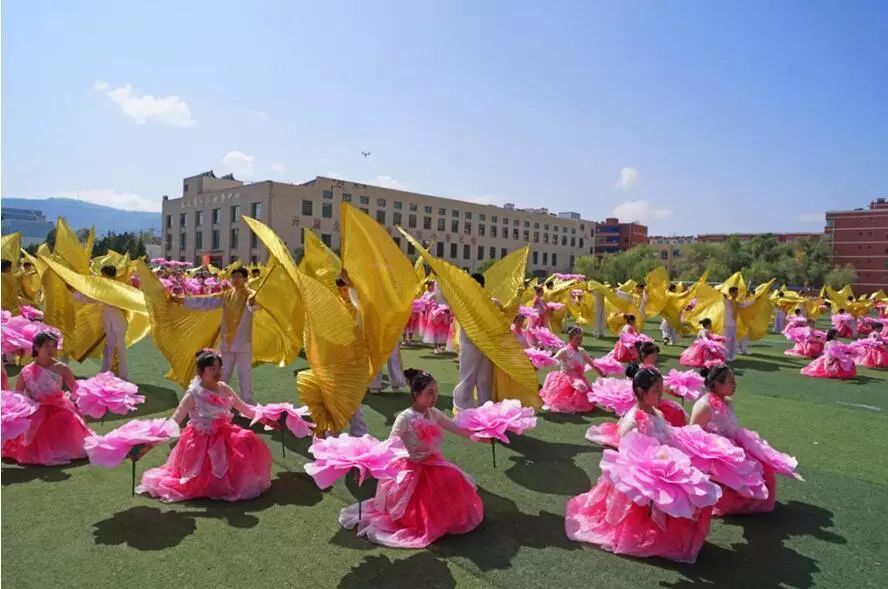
column 860, row 238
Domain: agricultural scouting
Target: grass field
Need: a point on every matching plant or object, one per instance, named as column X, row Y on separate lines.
column 79, row 526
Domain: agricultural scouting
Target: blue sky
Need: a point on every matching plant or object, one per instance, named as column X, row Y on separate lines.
column 694, row 117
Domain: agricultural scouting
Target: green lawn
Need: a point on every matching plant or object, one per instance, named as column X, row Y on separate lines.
column 79, row 526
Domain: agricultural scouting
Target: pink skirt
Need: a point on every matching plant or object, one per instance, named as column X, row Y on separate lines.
column 55, row 436
column 733, row 503
column 822, row 367
column 433, row 499
column 607, row 518
column 806, row 349
column 844, row 331
column 562, row 393
column 699, row 355
column 413, row 323
column 673, row 413
column 437, row 329
column 875, row 358
column 231, row 464
column 625, row 353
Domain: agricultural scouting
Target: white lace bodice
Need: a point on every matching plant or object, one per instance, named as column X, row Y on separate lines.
column 207, row 407
column 722, row 420
column 421, row 433
column 41, row 382
column 572, row 361
column 651, row 424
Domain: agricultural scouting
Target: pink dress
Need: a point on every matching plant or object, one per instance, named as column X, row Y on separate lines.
column 214, row 459
column 872, row 351
column 837, row 361
column 706, row 350
column 808, row 343
column 429, row 499
column 608, row 518
column 57, row 430
column 624, row 349
column 413, row 323
column 843, row 322
column 437, row 326
column 567, row 390
column 723, row 422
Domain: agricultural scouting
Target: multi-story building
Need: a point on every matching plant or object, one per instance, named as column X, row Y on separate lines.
column 860, row 238
column 31, row 223
column 205, row 223
column 781, row 237
column 670, row 248
column 611, row 236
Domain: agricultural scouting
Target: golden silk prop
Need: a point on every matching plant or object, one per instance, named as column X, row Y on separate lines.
column 319, row 261
column 504, row 280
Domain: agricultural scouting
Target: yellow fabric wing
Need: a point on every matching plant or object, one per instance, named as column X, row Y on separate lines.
column 11, row 246
column 756, row 318
column 69, row 249
column 504, row 280
column 281, row 305
column 656, row 285
column 319, row 261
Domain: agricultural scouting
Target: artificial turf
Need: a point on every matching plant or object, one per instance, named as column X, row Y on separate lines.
column 78, row 525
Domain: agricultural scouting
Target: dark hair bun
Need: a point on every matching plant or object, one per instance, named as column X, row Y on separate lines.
column 632, row 370
column 411, row 373
column 704, row 372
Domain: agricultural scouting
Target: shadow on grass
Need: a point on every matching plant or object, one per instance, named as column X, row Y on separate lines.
column 575, row 418
column 388, row 404
column 763, row 561
column 14, row 473
column 157, row 400
column 419, row 570
column 150, row 528
column 548, row 467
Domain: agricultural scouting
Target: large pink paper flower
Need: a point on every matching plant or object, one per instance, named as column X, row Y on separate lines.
column 30, row 313
column 554, row 306
column 540, row 358
column 528, row 312
column 604, row 434
column 650, row 473
column 295, row 419
column 335, row 456
column 15, row 410
column 759, row 449
column 111, row 449
column 608, row 365
column 722, row 460
column 105, row 392
column 614, row 394
column 686, row 384
column 19, row 332
column 492, row 420
column 546, row 338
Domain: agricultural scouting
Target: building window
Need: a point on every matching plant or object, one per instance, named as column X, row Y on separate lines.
column 493, row 219
column 527, row 224
column 536, row 236
column 493, row 230
column 328, row 241
column 182, row 240
column 427, row 210
column 505, row 220
column 254, row 259
column 169, row 222
column 198, row 218
column 413, row 206
column 398, row 205
column 453, row 251
column 411, row 249
column 380, row 202
column 442, row 212
column 254, row 240
column 426, row 222
column 235, row 242
column 467, row 252
column 516, row 222
column 545, row 238
column 365, row 211
column 396, row 218
column 198, row 240
column 536, row 225
column 481, row 229
column 581, row 243
column 664, row 255
column 491, row 252
column 454, row 226
column 536, row 258
column 515, row 234
column 256, row 210
column 182, row 217
column 380, row 217
column 546, row 227
column 307, row 207
column 480, row 252
column 439, row 249
column 346, row 197
column 169, row 241
column 215, row 240
column 233, row 259
column 564, row 240
column 468, row 228
column 365, row 200
column 326, row 210
column 327, row 194
column 216, row 216
column 411, row 221
column 482, row 217
column 442, row 224
column 454, row 213
column 468, row 214
column 527, row 236
column 503, row 252
column 235, row 213
column 545, row 258
column 554, row 259
column 397, row 241
column 573, row 242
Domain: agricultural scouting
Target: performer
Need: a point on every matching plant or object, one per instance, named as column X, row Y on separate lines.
column 57, row 430
column 520, row 333
column 732, row 305
column 475, row 370
column 844, row 324
column 624, row 349
column 437, row 324
column 706, row 349
column 649, row 353
column 837, row 360
column 779, row 314
column 566, row 390
column 432, row 497
column 238, row 305
column 873, row 350
column 600, row 323
column 114, row 323
column 395, row 374
column 609, row 518
column 214, row 458
column 809, row 342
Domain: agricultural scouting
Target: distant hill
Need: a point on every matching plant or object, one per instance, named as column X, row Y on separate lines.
column 80, row 214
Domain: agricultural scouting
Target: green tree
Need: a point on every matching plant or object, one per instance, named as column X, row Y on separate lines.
column 839, row 276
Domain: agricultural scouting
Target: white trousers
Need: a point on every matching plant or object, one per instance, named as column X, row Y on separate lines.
column 731, row 342
column 243, row 361
column 600, row 322
column 779, row 321
column 115, row 341
column 357, row 426
column 669, row 333
column 475, row 371
column 395, row 372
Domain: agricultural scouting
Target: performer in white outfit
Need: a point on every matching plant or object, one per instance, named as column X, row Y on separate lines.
column 732, row 305
column 600, row 321
column 357, row 426
column 475, row 371
column 238, row 305
column 114, row 323
column 395, row 373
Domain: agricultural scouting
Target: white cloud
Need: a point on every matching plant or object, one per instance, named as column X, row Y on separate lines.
column 812, row 218
column 641, row 211
column 388, row 182
column 627, row 178
column 144, row 109
column 239, row 164
column 129, row 201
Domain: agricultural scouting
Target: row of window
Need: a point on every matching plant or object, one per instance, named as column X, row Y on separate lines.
column 215, row 216
column 233, row 242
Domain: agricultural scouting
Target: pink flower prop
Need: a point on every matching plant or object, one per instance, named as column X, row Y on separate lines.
column 605, row 434
column 492, row 420
column 685, row 384
column 540, row 358
column 5, row 316
column 722, row 460
column 759, row 449
column 112, row 449
column 295, row 417
column 105, row 392
column 528, row 312
column 546, row 338
column 561, row 276
column 16, row 410
column 30, row 313
column 335, row 456
column 650, row 473
column 417, row 306
column 613, row 393
column 19, row 332
column 555, row 306
column 608, row 365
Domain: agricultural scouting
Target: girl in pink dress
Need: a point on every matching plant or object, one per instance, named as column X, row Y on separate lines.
column 873, row 350
column 520, row 333
column 432, row 497
column 714, row 412
column 214, row 458
column 609, row 518
column 566, row 390
column 809, row 342
column 706, row 350
column 624, row 349
column 438, row 321
column 837, row 360
column 649, row 353
column 57, row 430
column 844, row 323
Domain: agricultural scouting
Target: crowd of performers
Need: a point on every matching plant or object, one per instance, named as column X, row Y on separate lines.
column 665, row 474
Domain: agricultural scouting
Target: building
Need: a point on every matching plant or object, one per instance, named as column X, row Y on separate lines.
column 860, row 238
column 781, row 237
column 31, row 223
column 206, row 222
column 613, row 236
column 670, row 248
